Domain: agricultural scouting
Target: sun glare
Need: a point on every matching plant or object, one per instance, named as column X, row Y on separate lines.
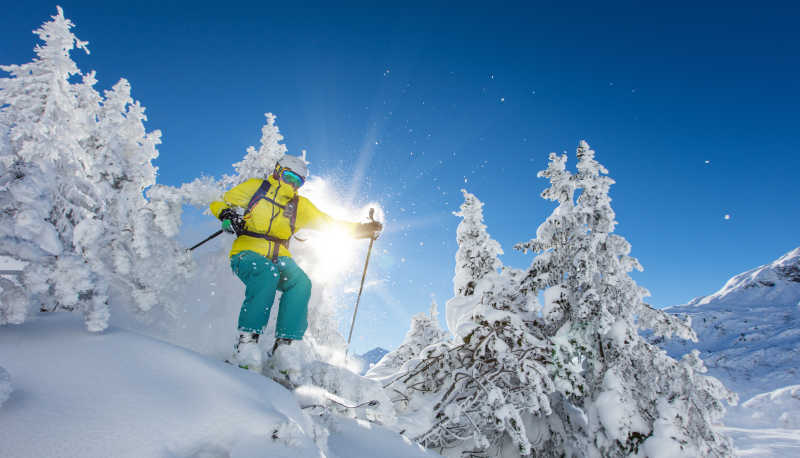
column 332, row 253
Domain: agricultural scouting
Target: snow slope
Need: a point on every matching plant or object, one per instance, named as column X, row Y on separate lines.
column 122, row 394
column 780, row 407
column 768, row 425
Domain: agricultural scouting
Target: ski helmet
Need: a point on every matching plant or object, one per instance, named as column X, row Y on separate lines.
column 296, row 164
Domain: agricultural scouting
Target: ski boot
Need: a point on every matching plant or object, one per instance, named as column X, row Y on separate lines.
column 280, row 341
column 284, row 364
column 247, row 353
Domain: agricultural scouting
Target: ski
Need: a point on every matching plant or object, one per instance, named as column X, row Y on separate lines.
column 373, row 403
column 334, row 400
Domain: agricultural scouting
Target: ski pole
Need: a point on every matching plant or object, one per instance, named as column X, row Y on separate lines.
column 207, row 239
column 361, row 288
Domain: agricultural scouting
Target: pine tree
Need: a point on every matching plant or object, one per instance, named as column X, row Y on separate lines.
column 424, row 331
column 617, row 394
column 48, row 202
column 137, row 250
column 480, row 391
column 260, row 162
column 477, row 251
column 74, row 168
column 476, row 259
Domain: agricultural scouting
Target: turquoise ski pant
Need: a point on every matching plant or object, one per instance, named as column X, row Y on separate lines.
column 262, row 278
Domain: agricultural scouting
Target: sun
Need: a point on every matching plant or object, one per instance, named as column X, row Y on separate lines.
column 334, row 252
column 331, row 254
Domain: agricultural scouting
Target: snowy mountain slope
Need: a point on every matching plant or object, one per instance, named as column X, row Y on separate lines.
column 749, row 331
column 749, row 338
column 374, row 355
column 371, row 358
column 123, row 394
column 776, row 283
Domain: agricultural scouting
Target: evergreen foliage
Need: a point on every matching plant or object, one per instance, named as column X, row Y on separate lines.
column 477, row 390
column 424, row 331
column 73, row 167
column 477, row 251
column 617, row 395
column 476, row 258
column 571, row 376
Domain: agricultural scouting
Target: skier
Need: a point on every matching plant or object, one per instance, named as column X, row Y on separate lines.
column 273, row 212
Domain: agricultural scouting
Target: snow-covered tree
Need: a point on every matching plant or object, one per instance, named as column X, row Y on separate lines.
column 574, row 373
column 139, row 234
column 478, row 395
column 478, row 392
column 73, row 168
column 13, row 302
column 424, row 331
column 476, row 258
column 617, row 395
column 48, row 201
column 477, row 253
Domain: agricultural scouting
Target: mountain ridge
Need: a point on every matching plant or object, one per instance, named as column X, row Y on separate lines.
column 777, row 282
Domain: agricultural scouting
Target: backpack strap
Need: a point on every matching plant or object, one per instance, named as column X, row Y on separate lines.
column 261, row 193
column 290, row 212
column 276, row 242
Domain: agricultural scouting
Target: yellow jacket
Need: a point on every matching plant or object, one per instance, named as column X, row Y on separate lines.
column 267, row 218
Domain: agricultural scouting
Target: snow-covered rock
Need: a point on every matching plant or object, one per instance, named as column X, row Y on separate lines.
column 749, row 331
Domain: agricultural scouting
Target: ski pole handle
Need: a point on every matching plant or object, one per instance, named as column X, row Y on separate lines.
column 372, row 219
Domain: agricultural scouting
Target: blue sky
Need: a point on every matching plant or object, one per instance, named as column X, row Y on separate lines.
column 480, row 95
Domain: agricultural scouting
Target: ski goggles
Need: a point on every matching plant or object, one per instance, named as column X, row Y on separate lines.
column 292, row 178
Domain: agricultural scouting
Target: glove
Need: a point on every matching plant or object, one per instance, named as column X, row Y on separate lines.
column 370, row 230
column 231, row 221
